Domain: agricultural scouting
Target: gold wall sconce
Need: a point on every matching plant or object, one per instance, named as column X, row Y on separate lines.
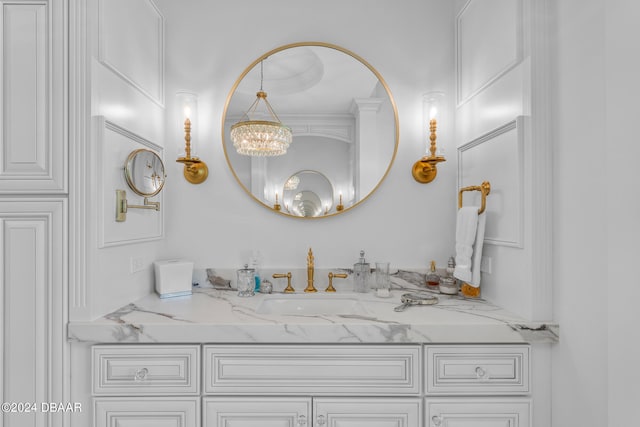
column 425, row 169
column 195, row 170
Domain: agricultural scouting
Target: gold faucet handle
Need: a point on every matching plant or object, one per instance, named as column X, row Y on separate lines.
column 289, row 289
column 330, row 288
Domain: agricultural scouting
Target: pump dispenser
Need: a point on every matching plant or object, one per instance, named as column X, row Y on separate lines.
column 432, row 279
column 361, row 273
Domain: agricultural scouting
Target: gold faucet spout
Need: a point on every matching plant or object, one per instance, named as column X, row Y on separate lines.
column 310, row 270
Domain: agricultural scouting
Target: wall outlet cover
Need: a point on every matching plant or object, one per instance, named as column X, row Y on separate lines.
column 485, row 264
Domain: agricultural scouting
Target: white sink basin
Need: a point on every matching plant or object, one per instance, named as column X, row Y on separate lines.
column 310, row 305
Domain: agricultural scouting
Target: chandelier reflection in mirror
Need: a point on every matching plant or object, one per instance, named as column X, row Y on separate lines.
column 254, row 137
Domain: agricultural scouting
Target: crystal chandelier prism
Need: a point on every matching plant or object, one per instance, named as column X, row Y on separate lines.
column 292, row 183
column 261, row 137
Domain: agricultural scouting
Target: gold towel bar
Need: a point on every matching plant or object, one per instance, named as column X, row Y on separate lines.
column 484, row 188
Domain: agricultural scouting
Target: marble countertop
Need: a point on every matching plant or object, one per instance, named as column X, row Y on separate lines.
column 220, row 316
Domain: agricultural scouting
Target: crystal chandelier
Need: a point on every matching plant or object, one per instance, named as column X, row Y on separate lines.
column 292, row 183
column 261, row 137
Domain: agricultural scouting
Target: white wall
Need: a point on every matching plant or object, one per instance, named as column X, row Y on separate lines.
column 623, row 231
column 595, row 214
column 580, row 295
column 218, row 224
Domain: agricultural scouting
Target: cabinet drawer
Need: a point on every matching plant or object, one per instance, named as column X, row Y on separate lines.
column 368, row 370
column 148, row 370
column 473, row 370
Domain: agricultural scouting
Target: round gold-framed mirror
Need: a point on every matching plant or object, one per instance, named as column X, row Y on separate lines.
column 339, row 111
column 144, row 172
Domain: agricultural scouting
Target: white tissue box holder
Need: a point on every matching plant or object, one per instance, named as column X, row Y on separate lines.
column 173, row 277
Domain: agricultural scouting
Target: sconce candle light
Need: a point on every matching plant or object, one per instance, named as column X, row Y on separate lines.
column 195, row 170
column 425, row 169
column 340, row 206
column 276, row 205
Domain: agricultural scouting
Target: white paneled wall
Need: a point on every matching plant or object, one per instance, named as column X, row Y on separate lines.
column 488, row 44
column 119, row 72
column 497, row 157
column 131, row 44
column 502, row 136
column 114, row 144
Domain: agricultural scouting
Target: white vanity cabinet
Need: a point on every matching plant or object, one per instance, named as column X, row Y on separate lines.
column 311, row 385
column 480, row 384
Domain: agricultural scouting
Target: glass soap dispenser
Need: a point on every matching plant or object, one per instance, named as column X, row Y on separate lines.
column 448, row 283
column 361, row 273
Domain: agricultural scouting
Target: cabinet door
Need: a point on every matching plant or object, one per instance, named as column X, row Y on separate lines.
column 31, row 309
column 256, row 412
column 478, row 412
column 146, row 412
column 33, row 143
column 358, row 412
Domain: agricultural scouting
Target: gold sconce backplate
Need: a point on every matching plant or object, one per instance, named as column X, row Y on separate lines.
column 195, row 171
column 425, row 170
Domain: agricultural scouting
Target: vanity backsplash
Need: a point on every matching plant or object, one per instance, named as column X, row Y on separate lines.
column 225, row 278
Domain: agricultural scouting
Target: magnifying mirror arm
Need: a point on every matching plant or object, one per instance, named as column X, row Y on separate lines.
column 122, row 206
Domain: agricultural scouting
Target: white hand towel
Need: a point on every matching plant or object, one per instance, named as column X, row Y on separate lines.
column 466, row 230
column 477, row 251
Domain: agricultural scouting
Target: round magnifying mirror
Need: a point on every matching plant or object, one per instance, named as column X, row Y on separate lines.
column 342, row 117
column 144, row 172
